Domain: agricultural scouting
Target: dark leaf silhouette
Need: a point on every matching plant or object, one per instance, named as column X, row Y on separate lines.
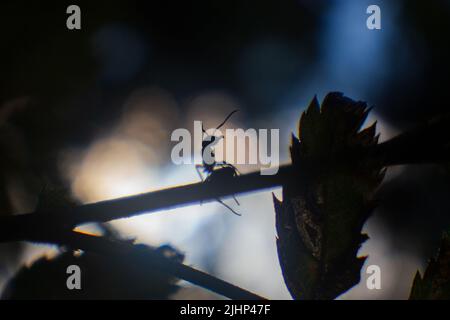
column 435, row 283
column 319, row 222
column 102, row 277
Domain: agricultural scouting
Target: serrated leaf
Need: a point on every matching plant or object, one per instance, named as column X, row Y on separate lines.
column 319, row 227
column 435, row 283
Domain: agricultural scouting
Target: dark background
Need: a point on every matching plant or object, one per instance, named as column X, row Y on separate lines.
column 61, row 89
column 188, row 47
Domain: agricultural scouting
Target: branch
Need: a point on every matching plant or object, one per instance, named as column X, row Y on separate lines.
column 20, row 227
column 426, row 144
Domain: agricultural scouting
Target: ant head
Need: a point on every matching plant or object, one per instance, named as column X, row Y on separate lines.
column 212, row 140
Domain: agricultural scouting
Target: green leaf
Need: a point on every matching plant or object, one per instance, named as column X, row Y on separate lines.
column 319, row 227
column 435, row 283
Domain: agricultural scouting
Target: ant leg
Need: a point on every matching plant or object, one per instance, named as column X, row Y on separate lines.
column 228, row 207
column 231, row 166
column 237, row 173
column 197, row 167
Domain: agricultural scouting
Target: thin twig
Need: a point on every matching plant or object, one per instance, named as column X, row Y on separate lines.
column 20, row 227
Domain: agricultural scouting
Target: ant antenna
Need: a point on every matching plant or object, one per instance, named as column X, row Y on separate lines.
column 223, row 122
column 228, row 117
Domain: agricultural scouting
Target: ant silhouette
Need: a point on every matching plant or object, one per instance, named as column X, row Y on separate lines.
column 212, row 169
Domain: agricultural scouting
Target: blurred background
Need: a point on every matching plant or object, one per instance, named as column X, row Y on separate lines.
column 93, row 109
